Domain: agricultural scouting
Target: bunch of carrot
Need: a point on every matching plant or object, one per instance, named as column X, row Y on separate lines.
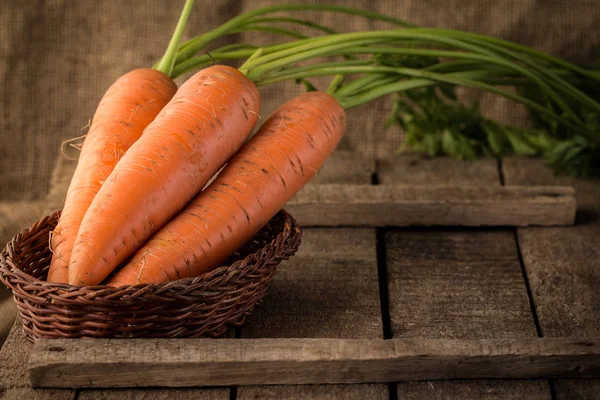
column 136, row 193
column 137, row 210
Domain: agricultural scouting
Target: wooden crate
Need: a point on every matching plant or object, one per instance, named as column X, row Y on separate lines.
column 399, row 307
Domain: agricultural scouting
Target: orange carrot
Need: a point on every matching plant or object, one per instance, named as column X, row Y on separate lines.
column 126, row 108
column 256, row 183
column 202, row 126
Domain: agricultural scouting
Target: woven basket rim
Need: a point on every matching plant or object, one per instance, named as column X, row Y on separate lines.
column 10, row 268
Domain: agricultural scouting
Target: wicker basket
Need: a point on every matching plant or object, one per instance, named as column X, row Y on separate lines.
column 208, row 305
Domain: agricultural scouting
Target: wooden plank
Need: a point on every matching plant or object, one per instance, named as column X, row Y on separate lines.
column 223, row 362
column 300, row 303
column 345, row 167
column 411, row 169
column 562, row 266
column 14, row 378
column 327, row 290
column 469, row 389
column 27, row 393
column 455, row 284
column 155, row 394
column 407, row 205
column 314, row 392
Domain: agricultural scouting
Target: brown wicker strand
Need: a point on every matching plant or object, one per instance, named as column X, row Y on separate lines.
column 205, row 306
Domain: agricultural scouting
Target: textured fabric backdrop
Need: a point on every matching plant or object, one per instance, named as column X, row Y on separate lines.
column 58, row 57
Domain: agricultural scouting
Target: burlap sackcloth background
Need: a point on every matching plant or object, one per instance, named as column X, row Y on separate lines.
column 57, row 57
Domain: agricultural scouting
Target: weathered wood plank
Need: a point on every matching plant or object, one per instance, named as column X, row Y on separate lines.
column 314, row 392
column 453, row 284
column 327, row 290
column 345, row 167
column 456, row 284
column 469, row 389
column 563, row 266
column 14, row 379
column 155, row 394
column 411, row 169
column 563, row 263
column 224, row 362
column 27, row 393
column 13, row 359
column 404, row 205
column 300, row 303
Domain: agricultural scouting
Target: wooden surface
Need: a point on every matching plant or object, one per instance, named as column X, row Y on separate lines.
column 64, row 363
column 300, row 304
column 563, row 267
column 456, row 284
column 433, row 205
column 14, row 378
column 448, row 313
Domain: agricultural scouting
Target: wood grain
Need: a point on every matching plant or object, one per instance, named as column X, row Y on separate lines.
column 14, row 379
column 345, row 167
column 412, row 169
column 563, row 266
column 314, row 392
column 456, row 284
column 328, row 289
column 407, row 205
column 27, row 393
column 490, row 389
column 155, row 394
column 224, row 362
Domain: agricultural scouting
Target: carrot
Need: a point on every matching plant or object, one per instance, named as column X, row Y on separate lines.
column 126, row 108
column 283, row 156
column 202, row 126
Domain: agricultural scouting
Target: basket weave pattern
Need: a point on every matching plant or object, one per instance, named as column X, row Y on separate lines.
column 206, row 306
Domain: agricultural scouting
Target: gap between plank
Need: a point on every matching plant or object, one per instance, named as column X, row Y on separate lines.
column 552, row 386
column 500, row 171
column 382, row 276
column 532, row 307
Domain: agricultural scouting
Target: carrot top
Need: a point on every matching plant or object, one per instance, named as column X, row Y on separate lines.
column 422, row 67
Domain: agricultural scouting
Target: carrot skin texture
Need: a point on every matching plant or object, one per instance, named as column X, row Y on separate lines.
column 202, row 126
column 256, row 183
column 127, row 107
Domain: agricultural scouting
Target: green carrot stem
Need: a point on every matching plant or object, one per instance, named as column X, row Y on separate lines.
column 554, row 79
column 335, row 83
column 455, row 79
column 324, row 45
column 263, row 65
column 359, row 83
column 193, row 46
column 484, row 40
column 166, row 63
column 296, row 21
column 459, row 79
column 269, row 29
